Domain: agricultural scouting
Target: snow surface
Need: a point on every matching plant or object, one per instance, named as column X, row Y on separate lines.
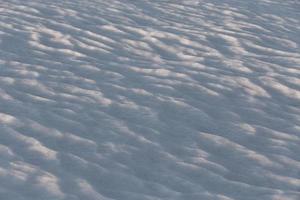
column 149, row 99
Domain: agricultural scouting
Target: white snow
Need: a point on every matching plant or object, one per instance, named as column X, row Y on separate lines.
column 149, row 100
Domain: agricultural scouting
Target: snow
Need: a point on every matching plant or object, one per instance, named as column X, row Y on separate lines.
column 149, row 100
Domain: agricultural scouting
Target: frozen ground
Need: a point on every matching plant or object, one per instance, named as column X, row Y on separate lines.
column 149, row 99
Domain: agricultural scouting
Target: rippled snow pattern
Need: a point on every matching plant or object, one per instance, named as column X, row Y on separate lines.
column 149, row 100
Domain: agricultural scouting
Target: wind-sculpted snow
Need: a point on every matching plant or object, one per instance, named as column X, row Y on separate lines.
column 149, row 100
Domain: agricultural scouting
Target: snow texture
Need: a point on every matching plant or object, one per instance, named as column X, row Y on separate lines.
column 149, row 100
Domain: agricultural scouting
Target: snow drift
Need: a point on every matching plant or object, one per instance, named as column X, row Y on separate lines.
column 149, row 100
